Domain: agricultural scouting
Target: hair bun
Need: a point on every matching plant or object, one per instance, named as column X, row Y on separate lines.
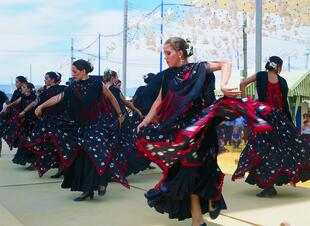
column 91, row 67
column 189, row 48
column 83, row 65
column 273, row 63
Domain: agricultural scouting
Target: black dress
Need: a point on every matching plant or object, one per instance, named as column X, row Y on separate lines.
column 84, row 143
column 184, row 143
column 125, row 142
column 146, row 95
column 23, row 127
column 37, row 141
column 280, row 156
column 7, row 119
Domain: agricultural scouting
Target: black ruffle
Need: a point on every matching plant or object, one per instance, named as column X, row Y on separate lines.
column 173, row 196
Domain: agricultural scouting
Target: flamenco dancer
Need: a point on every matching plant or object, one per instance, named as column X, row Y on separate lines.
column 85, row 149
column 19, row 81
column 47, row 156
column 141, row 99
column 126, row 140
column 7, row 115
column 19, row 126
column 280, row 156
column 192, row 180
column 3, row 101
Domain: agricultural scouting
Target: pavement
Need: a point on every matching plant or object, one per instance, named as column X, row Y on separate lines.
column 27, row 200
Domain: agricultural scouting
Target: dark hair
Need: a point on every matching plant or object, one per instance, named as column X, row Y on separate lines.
column 83, row 65
column 54, row 75
column 21, row 79
column 108, row 74
column 148, row 77
column 29, row 85
column 181, row 44
column 273, row 62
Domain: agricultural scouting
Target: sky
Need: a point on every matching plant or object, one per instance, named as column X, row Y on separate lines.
column 36, row 38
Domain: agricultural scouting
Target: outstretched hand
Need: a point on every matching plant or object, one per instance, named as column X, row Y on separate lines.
column 38, row 112
column 231, row 92
column 142, row 125
column 120, row 120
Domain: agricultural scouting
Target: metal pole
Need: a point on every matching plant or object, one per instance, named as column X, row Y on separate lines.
column 72, row 56
column 99, row 53
column 289, row 63
column 30, row 73
column 307, row 58
column 161, row 35
column 258, row 36
column 245, row 46
column 238, row 61
column 125, row 46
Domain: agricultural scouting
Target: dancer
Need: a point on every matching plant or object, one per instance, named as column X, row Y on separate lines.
column 145, row 96
column 118, row 84
column 140, row 99
column 3, row 101
column 192, row 180
column 281, row 156
column 85, row 147
column 19, row 126
column 306, row 127
column 19, row 81
column 47, row 153
column 126, row 140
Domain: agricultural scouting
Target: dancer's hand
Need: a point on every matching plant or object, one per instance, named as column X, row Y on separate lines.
column 141, row 125
column 5, row 109
column 120, row 119
column 140, row 114
column 38, row 112
column 230, row 92
column 22, row 114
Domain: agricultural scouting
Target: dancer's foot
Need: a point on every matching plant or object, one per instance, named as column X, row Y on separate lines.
column 58, row 175
column 102, row 190
column 200, row 223
column 31, row 168
column 214, row 209
column 84, row 196
column 268, row 192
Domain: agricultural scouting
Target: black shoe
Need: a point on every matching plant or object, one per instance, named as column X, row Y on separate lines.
column 84, row 196
column 58, row 175
column 31, row 168
column 268, row 193
column 102, row 192
column 215, row 213
column 204, row 224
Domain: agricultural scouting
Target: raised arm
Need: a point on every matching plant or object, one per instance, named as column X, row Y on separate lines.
column 113, row 101
column 246, row 82
column 16, row 102
column 225, row 68
column 29, row 107
column 50, row 102
column 152, row 113
column 130, row 105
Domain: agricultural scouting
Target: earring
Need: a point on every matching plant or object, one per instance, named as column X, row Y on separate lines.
column 182, row 60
